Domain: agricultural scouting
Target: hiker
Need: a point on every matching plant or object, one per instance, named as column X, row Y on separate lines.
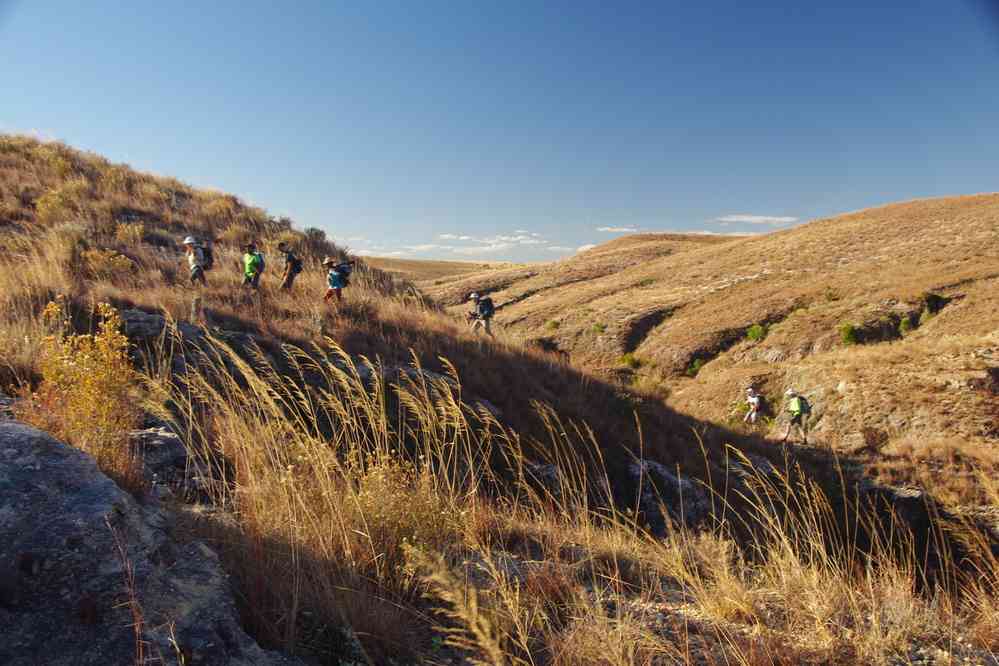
column 799, row 409
column 753, row 400
column 195, row 260
column 337, row 277
column 253, row 266
column 292, row 266
column 483, row 313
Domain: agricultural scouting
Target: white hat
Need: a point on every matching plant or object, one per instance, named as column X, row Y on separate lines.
column 190, row 241
column 473, row 296
column 790, row 392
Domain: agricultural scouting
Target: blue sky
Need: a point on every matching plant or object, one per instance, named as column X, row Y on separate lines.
column 520, row 130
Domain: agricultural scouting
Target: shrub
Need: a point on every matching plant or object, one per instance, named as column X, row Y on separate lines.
column 151, row 193
column 905, row 325
column 129, row 233
column 237, row 235
column 107, row 264
column 85, row 395
column 118, row 179
column 56, row 205
column 848, row 333
column 934, row 303
column 629, row 360
column 552, row 325
column 220, row 209
column 756, row 332
column 695, row 367
column 599, row 328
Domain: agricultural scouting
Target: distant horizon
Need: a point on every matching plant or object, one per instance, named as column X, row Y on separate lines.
column 484, row 132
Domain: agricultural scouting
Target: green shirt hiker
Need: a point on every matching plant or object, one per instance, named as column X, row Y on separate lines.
column 799, row 409
column 252, row 266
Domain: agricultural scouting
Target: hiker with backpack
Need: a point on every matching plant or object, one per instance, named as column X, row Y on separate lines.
column 292, row 266
column 799, row 411
column 482, row 316
column 196, row 260
column 337, row 277
column 253, row 266
column 754, row 401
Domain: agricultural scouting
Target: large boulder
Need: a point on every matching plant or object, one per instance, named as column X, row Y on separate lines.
column 82, row 563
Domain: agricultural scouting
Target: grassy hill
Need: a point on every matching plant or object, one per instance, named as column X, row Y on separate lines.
column 886, row 317
column 385, row 487
column 428, row 271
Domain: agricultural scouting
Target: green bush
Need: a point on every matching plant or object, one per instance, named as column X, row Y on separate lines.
column 695, row 367
column 756, row 332
column 631, row 361
column 552, row 325
column 905, row 325
column 848, row 333
column 600, row 328
column 933, row 303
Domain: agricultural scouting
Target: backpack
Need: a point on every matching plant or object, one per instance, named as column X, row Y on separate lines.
column 260, row 267
column 803, row 405
column 486, row 308
column 294, row 264
column 345, row 269
column 208, row 256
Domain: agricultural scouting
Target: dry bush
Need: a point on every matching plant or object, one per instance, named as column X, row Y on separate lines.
column 129, row 233
column 107, row 265
column 86, row 396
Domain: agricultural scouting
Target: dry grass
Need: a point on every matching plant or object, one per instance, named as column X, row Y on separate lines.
column 391, row 519
column 919, row 275
column 381, row 508
column 431, row 272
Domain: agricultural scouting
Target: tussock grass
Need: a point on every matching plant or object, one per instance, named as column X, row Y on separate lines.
column 386, row 518
column 399, row 513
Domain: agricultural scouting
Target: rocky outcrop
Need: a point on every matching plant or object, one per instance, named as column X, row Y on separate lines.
column 668, row 497
column 139, row 325
column 88, row 575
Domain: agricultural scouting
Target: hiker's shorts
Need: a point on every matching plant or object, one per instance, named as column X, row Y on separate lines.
column 197, row 275
column 798, row 419
column 252, row 280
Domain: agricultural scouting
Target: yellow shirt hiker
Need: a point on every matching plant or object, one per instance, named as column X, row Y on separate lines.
column 253, row 266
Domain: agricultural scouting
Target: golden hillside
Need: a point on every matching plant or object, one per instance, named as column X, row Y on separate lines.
column 383, row 486
column 886, row 317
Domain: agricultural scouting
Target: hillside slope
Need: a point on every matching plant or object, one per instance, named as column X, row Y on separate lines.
column 431, row 272
column 457, row 497
column 886, row 317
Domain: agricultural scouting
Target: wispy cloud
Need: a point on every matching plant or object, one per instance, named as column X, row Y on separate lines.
column 772, row 220
column 618, row 230
column 482, row 249
column 428, row 247
column 377, row 252
column 558, row 248
column 584, row 248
